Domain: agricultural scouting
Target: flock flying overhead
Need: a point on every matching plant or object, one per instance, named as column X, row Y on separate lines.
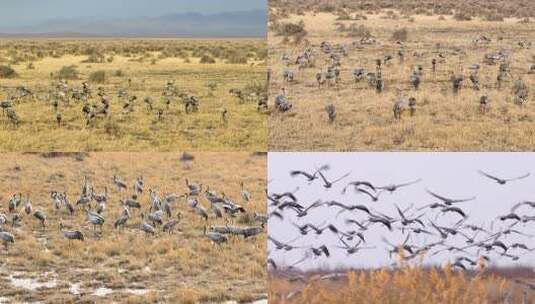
column 436, row 224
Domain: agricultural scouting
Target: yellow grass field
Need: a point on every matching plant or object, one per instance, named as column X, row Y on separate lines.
column 125, row 264
column 141, row 67
column 406, row 285
column 443, row 121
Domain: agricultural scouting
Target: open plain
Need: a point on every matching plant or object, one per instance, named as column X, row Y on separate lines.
column 119, row 94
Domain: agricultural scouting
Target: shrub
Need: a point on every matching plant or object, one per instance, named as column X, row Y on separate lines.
column 118, row 73
column 400, row 35
column 327, row 8
column 98, row 77
column 462, row 16
column 94, row 58
column 68, row 72
column 291, row 29
column 112, row 128
column 237, row 58
column 256, row 87
column 343, row 15
column 7, row 72
column 207, row 59
column 494, row 17
column 356, row 31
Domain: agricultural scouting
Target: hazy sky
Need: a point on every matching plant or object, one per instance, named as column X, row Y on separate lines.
column 30, row 12
column 450, row 174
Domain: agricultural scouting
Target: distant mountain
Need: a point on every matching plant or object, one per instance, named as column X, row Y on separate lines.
column 230, row 24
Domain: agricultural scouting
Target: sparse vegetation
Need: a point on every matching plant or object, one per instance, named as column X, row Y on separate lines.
column 68, row 72
column 400, row 35
column 98, row 77
column 462, row 16
column 207, row 59
column 7, row 72
column 418, row 7
column 289, row 30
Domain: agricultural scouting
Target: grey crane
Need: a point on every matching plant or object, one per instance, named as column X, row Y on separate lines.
column 449, row 201
column 328, row 184
column 71, row 234
column 139, row 184
column 121, row 185
column 169, row 226
column 147, row 228
column 503, row 181
column 131, row 203
column 41, row 216
column 246, row 196
column 102, row 197
column 201, row 211
column 12, row 116
column 394, row 187
column 194, row 188
column 95, row 219
column 3, row 219
column 28, row 206
column 216, row 237
column 484, row 104
column 121, row 221
column 399, row 107
column 7, row 238
column 330, row 109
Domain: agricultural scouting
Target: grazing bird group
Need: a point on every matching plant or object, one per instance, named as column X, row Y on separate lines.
column 336, row 60
column 96, row 104
column 157, row 213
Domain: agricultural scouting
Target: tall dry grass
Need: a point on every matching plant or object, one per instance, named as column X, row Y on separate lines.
column 406, row 285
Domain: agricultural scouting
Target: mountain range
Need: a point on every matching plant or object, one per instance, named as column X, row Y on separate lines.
column 195, row 25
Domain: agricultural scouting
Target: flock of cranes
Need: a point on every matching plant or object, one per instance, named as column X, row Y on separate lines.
column 160, row 213
column 424, row 70
column 95, row 104
column 439, row 229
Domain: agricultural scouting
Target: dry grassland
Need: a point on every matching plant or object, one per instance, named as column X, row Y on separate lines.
column 125, row 264
column 141, row 67
column 443, row 121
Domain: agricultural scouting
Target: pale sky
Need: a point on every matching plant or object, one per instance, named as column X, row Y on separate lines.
column 22, row 13
column 450, row 174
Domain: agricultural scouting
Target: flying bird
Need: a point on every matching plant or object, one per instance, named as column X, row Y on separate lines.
column 503, row 181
